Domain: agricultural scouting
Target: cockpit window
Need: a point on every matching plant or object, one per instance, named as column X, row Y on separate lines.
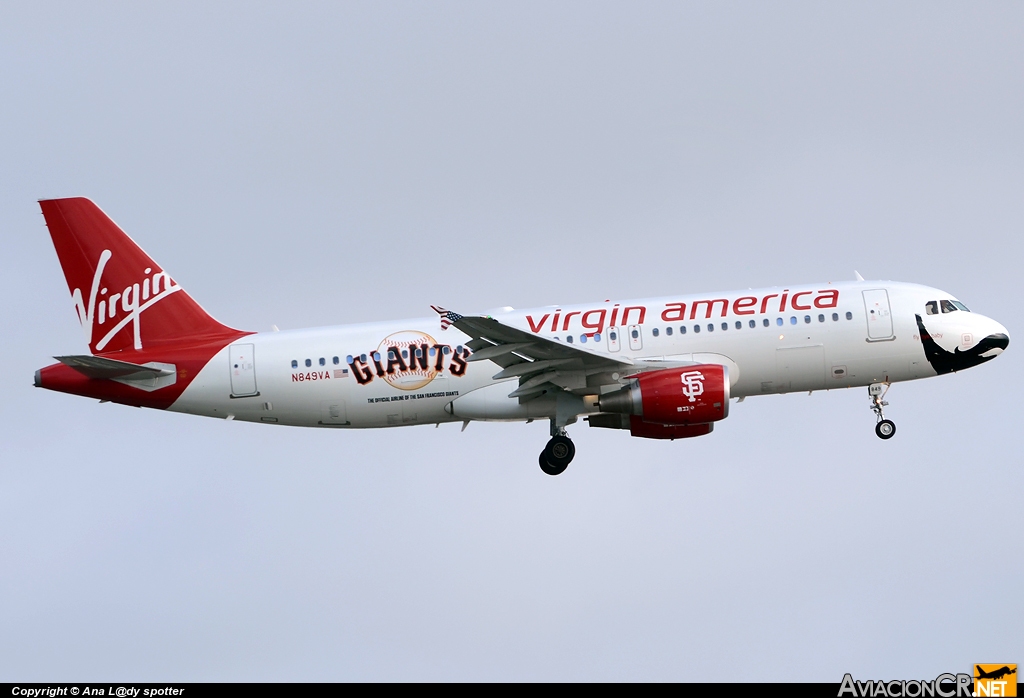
column 932, row 307
column 953, row 306
column 961, row 306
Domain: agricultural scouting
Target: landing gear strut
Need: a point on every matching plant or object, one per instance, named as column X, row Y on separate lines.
column 884, row 429
column 557, row 455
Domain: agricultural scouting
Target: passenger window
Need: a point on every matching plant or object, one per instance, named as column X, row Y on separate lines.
column 753, row 324
column 711, row 328
column 654, row 332
column 336, row 360
column 778, row 321
column 433, row 350
column 835, row 317
column 766, row 323
column 948, row 307
column 682, row 329
column 568, row 338
column 792, row 319
column 597, row 336
column 739, row 325
column 696, row 329
column 807, row 319
column 931, row 308
column 323, row 361
column 350, row 359
column 309, row 363
column 405, row 353
column 634, row 334
column 583, row 339
column 725, row 326
column 613, row 336
column 668, row 331
column 362, row 357
column 295, row 364
column 446, row 350
column 849, row 315
column 821, row 318
column 391, row 355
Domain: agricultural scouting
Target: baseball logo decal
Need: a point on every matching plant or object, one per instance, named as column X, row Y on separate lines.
column 693, row 384
column 409, row 358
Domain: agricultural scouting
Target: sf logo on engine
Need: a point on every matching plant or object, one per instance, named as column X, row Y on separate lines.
column 693, row 384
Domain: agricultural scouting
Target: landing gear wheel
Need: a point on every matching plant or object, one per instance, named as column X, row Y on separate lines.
column 551, row 469
column 559, row 451
column 557, row 455
column 885, row 429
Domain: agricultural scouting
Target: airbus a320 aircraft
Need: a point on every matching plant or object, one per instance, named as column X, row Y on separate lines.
column 658, row 368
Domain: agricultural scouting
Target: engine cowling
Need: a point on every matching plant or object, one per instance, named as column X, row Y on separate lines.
column 696, row 394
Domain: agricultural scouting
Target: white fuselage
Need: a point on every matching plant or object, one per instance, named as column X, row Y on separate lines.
column 777, row 340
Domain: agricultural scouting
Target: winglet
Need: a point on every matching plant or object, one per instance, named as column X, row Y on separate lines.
column 447, row 316
column 857, row 274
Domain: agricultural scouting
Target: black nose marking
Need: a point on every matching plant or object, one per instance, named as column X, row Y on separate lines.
column 999, row 340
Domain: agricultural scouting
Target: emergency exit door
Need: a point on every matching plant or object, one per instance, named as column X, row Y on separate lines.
column 243, row 370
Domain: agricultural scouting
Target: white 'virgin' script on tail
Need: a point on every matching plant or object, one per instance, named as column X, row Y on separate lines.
column 134, row 299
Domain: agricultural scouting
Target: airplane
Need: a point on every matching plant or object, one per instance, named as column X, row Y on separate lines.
column 657, row 368
column 996, row 674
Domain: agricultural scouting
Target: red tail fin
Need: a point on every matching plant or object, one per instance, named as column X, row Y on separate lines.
column 124, row 299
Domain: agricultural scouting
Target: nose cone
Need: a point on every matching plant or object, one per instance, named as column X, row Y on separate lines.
column 996, row 341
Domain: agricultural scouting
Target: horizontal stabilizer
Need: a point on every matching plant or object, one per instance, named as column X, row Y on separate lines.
column 98, row 367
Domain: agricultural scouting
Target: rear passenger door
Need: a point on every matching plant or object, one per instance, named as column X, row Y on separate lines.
column 243, row 370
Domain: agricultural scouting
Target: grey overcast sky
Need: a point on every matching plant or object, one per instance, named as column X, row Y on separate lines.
column 305, row 164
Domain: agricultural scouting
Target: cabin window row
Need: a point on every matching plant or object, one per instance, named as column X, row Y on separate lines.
column 350, row 359
column 793, row 320
column 322, row 361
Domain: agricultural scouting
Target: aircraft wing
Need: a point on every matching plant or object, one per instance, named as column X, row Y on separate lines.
column 539, row 363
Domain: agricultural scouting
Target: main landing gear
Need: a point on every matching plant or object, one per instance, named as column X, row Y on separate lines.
column 557, row 455
column 884, row 429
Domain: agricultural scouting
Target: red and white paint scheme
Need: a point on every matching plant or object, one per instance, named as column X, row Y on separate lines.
column 660, row 368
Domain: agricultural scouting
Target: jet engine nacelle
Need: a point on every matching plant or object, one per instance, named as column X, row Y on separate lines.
column 696, row 394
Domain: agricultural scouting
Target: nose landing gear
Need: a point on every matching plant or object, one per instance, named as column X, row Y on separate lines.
column 885, row 428
column 557, row 455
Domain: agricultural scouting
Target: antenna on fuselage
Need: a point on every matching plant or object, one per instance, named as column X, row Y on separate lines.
column 857, row 274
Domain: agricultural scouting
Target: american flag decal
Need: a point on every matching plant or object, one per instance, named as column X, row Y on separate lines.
column 447, row 316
